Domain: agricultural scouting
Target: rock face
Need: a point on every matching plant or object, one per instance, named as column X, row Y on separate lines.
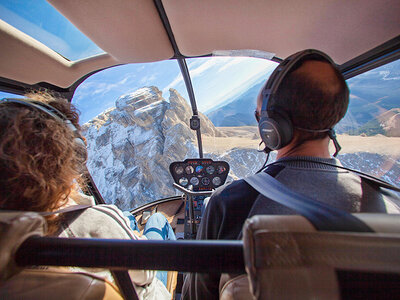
column 387, row 123
column 132, row 145
column 390, row 122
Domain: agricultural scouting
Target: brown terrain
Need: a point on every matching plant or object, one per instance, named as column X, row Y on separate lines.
column 248, row 137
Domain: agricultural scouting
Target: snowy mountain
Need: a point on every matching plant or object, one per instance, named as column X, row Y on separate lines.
column 373, row 94
column 132, row 145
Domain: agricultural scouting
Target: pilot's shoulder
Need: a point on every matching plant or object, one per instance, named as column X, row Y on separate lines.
column 236, row 190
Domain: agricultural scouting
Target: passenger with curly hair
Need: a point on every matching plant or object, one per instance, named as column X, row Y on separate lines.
column 42, row 160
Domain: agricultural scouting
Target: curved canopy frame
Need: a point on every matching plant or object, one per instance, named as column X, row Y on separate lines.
column 358, row 37
column 134, row 31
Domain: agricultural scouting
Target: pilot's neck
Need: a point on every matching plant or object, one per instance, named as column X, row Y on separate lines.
column 314, row 148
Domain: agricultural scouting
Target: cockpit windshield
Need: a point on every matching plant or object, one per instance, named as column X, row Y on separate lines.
column 136, row 121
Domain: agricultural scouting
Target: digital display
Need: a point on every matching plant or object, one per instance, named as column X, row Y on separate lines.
column 194, row 181
column 179, row 170
column 189, row 170
column 216, row 181
column 221, row 169
column 199, row 174
column 183, row 181
column 210, row 170
column 199, row 169
column 205, row 181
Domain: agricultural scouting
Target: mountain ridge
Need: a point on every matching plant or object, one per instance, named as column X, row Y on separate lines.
column 372, row 95
column 131, row 146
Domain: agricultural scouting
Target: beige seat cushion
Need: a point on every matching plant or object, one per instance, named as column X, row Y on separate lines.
column 234, row 287
column 41, row 283
column 16, row 227
column 286, row 258
column 57, row 284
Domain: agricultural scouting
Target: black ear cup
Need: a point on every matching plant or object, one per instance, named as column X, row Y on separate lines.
column 276, row 130
column 275, row 126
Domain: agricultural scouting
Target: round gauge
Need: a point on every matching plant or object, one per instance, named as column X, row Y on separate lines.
column 183, row 181
column 221, row 169
column 194, row 181
column 179, row 170
column 210, row 170
column 216, row 181
column 189, row 170
column 205, row 181
column 199, row 169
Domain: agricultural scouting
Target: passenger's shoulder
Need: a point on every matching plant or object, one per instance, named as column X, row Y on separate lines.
column 102, row 221
column 104, row 215
column 102, row 210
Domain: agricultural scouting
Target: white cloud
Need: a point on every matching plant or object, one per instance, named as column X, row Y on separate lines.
column 234, row 61
column 354, row 97
column 386, row 75
column 211, row 62
column 148, row 80
column 197, row 71
column 103, row 88
column 174, row 82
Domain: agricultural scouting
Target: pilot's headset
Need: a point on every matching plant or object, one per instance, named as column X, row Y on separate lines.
column 275, row 125
column 80, row 144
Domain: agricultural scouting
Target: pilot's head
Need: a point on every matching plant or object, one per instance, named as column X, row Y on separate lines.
column 39, row 158
column 313, row 94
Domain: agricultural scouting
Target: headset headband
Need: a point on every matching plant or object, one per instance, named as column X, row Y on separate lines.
column 283, row 69
column 275, row 125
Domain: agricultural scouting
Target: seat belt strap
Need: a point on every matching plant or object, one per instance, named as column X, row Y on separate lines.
column 365, row 176
column 64, row 210
column 323, row 216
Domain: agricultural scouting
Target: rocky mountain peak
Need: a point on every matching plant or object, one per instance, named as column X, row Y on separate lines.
column 139, row 99
column 132, row 145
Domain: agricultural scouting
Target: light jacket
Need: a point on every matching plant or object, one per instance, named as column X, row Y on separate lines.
column 108, row 222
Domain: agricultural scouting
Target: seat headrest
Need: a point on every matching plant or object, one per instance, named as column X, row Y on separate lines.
column 285, row 253
column 15, row 228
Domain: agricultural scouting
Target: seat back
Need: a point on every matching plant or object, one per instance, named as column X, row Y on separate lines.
column 286, row 258
column 41, row 283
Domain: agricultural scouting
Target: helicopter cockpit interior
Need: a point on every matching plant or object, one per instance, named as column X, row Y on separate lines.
column 166, row 92
column 197, row 178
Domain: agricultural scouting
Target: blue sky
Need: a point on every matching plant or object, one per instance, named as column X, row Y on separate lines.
column 41, row 21
column 214, row 81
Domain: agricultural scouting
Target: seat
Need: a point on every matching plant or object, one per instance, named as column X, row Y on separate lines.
column 286, row 258
column 41, row 282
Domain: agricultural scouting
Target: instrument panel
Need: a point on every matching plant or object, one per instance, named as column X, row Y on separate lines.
column 201, row 174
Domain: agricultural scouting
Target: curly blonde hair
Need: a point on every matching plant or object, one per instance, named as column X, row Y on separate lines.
column 39, row 160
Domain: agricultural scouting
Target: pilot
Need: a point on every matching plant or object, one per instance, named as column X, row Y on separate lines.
column 41, row 159
column 311, row 98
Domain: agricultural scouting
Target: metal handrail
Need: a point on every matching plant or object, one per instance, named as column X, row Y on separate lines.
column 185, row 256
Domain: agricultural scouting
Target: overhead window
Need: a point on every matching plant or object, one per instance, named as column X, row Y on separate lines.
column 44, row 23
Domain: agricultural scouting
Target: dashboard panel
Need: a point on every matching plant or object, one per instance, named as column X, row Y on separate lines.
column 201, row 174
